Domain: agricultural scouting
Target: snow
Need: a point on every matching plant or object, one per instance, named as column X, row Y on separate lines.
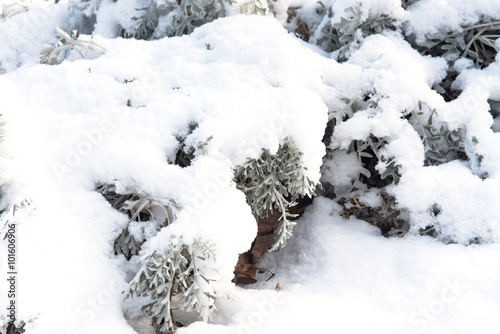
column 32, row 30
column 477, row 213
column 340, row 275
column 428, row 17
column 247, row 84
column 81, row 133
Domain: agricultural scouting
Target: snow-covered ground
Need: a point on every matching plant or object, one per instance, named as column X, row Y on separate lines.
column 248, row 84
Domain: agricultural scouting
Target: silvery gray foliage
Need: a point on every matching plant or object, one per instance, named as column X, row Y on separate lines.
column 368, row 151
column 175, row 273
column 352, row 106
column 146, row 21
column 476, row 42
column 275, row 182
column 369, row 155
column 86, row 7
column 346, row 34
column 255, row 7
column 159, row 19
column 148, row 214
column 440, row 143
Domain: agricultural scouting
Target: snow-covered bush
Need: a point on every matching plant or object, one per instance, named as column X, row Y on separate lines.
column 275, row 182
column 154, row 19
column 194, row 140
column 175, row 274
column 174, row 18
column 147, row 215
column 347, row 34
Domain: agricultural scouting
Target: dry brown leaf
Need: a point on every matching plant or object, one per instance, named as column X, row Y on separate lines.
column 267, row 225
column 261, row 246
column 245, row 274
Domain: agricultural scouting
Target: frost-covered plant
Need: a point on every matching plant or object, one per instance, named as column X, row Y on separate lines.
column 476, row 42
column 369, row 155
column 440, row 143
column 12, row 9
column 186, row 153
column 352, row 106
column 146, row 22
column 147, row 214
column 174, row 18
column 254, row 7
column 275, row 182
column 344, row 35
column 54, row 54
column 368, row 151
column 392, row 221
column 175, row 273
column 86, row 7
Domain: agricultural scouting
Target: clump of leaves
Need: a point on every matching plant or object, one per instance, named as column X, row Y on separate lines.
column 440, row 143
column 476, row 42
column 391, row 221
column 369, row 156
column 181, row 17
column 368, row 151
column 255, row 7
column 147, row 215
column 147, row 22
column 275, row 181
column 186, row 153
column 87, row 7
column 53, row 54
column 344, row 35
column 175, row 273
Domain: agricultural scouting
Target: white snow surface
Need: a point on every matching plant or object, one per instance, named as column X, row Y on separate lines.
column 247, row 84
column 432, row 16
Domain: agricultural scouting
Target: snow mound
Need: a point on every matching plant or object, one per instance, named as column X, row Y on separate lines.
column 117, row 119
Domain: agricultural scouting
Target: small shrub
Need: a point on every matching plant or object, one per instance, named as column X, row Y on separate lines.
column 174, row 18
column 275, row 181
column 344, row 36
column 175, row 273
column 147, row 215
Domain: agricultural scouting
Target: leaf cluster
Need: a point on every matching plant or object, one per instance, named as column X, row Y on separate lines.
column 183, row 17
column 139, row 207
column 275, row 181
column 175, row 273
column 344, row 35
column 255, row 7
column 476, row 42
column 440, row 143
column 86, row 7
